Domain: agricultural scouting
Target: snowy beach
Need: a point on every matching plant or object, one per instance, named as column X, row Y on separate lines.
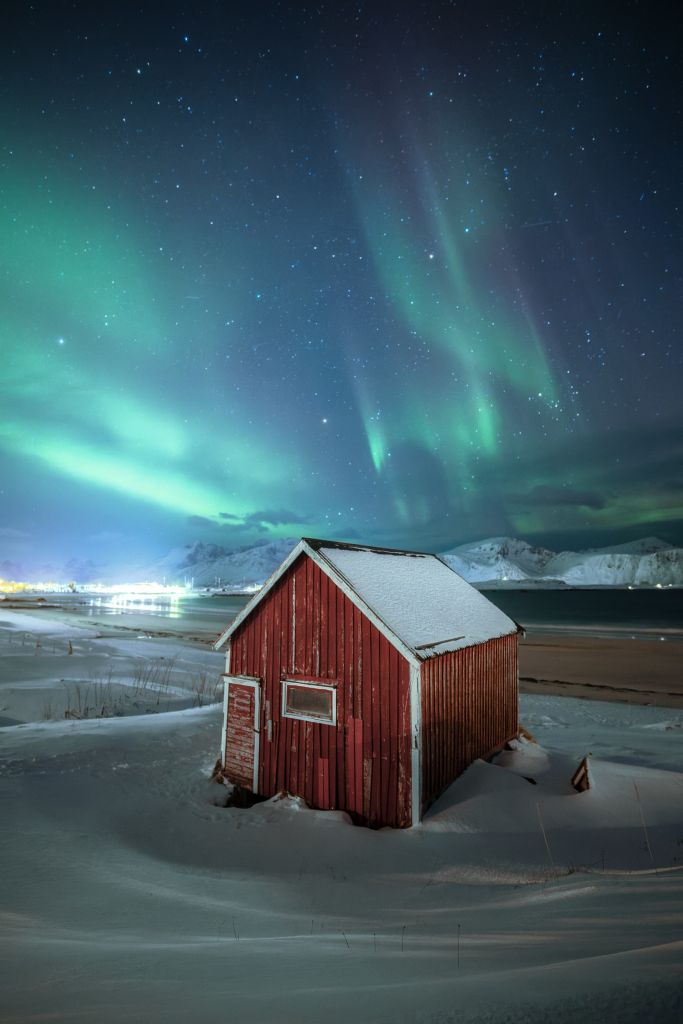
column 341, row 533
column 131, row 892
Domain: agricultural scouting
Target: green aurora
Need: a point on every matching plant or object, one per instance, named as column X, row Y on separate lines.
column 413, row 300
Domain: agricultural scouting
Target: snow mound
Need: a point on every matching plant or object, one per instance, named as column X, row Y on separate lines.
column 514, row 901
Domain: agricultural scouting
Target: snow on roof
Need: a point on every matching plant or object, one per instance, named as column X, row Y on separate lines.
column 422, row 600
column 415, row 597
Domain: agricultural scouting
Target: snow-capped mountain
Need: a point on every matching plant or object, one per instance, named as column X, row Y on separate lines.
column 495, row 560
column 209, row 565
column 645, row 562
column 498, row 560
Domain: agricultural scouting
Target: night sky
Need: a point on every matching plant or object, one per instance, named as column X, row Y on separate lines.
column 406, row 274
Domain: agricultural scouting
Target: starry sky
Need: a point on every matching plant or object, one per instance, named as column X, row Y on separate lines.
column 405, row 274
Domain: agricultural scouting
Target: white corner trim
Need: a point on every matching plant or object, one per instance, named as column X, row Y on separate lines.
column 339, row 579
column 416, row 744
column 224, row 729
column 265, row 589
column 257, row 734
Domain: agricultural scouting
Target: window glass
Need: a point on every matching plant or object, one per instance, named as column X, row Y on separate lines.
column 309, row 702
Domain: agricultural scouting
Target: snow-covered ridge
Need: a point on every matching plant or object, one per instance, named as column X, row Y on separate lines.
column 503, row 560
column 208, row 565
column 645, row 562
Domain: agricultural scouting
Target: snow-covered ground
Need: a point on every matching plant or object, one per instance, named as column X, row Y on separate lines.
column 52, row 665
column 130, row 893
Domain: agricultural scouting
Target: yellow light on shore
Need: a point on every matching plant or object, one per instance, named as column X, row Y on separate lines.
column 140, row 589
column 147, row 589
column 12, row 586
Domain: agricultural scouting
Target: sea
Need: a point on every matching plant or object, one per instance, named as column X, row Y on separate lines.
column 603, row 612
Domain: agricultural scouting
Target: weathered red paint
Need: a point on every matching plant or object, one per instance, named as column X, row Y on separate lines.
column 469, row 709
column 307, row 628
column 239, row 738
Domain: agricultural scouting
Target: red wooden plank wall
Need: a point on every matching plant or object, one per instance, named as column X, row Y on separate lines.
column 469, row 707
column 306, row 627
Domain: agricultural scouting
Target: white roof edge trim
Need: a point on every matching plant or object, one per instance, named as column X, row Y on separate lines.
column 260, row 594
column 346, row 587
column 427, row 651
column 414, row 657
column 339, row 579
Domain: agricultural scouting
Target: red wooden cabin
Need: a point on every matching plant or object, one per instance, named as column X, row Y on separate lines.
column 365, row 680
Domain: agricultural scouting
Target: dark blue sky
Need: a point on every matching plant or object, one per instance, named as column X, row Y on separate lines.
column 407, row 275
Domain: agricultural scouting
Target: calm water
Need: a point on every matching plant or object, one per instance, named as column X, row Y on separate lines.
column 600, row 612
column 194, row 615
column 643, row 613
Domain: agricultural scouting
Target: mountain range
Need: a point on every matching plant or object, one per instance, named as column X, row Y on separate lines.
column 645, row 562
column 499, row 560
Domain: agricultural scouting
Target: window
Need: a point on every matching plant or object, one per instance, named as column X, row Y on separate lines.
column 311, row 702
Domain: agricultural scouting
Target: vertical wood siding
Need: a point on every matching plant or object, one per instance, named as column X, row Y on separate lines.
column 469, row 707
column 306, row 627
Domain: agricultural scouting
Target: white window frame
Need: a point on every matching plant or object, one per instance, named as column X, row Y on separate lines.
column 309, row 684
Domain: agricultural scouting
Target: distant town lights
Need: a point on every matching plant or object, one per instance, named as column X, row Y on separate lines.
column 129, row 589
column 140, row 589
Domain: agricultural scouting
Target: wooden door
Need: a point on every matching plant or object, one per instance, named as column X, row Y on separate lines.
column 241, row 726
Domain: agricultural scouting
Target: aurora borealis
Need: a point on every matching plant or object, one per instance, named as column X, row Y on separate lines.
column 406, row 275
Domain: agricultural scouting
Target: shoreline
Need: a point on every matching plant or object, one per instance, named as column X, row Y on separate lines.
column 619, row 669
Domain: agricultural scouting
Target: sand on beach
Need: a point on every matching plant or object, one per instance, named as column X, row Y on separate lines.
column 631, row 670
column 634, row 671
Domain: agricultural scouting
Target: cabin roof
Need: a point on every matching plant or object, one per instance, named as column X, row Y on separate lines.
column 425, row 607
